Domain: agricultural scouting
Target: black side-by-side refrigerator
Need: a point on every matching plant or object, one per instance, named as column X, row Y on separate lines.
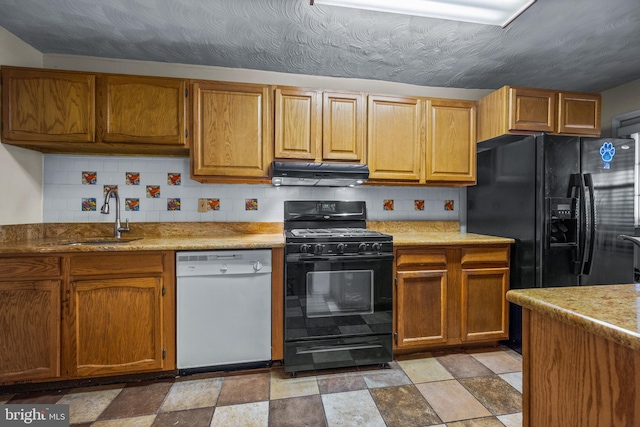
column 565, row 200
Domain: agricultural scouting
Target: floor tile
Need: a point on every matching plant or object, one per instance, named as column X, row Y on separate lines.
column 425, row 370
column 144, row 421
column 478, row 422
column 255, row 414
column 514, row 379
column 297, row 411
column 137, row 399
column 385, row 378
column 282, row 386
column 37, row 398
column 511, row 420
column 244, row 389
column 352, row 408
column 340, row 383
column 463, row 365
column 498, row 361
column 200, row 417
column 4, row 398
column 442, row 394
column 87, row 406
column 495, row 394
column 511, row 352
column 404, row 406
column 192, row 394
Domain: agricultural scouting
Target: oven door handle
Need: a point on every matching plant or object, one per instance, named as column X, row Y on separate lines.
column 328, row 349
column 340, row 258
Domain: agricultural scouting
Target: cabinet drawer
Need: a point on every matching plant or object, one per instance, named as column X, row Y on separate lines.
column 494, row 255
column 421, row 258
column 29, row 268
column 131, row 263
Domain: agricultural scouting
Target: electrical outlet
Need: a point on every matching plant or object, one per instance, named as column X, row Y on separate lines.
column 203, row 206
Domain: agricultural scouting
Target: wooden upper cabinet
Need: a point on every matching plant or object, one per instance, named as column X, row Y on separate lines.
column 298, row 124
column 147, row 110
column 315, row 125
column 579, row 113
column 343, row 126
column 232, row 130
column 525, row 111
column 395, row 138
column 47, row 105
column 451, row 141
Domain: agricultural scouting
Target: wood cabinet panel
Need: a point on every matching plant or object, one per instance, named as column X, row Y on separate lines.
column 277, row 304
column 579, row 113
column 113, row 264
column 532, row 109
column 138, row 109
column 484, row 255
column 421, row 308
column 298, row 125
column 419, row 258
column 232, row 131
column 343, row 126
column 30, row 336
column 395, row 138
column 29, row 267
column 128, row 315
column 451, row 141
column 46, row 105
column 485, row 310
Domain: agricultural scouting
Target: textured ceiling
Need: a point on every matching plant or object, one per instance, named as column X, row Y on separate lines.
column 583, row 45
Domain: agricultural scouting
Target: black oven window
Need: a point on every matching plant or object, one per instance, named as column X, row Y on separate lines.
column 339, row 293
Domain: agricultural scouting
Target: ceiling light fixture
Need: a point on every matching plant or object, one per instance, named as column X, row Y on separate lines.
column 488, row 12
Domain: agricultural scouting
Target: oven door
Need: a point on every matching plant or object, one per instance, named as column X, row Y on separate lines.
column 330, row 297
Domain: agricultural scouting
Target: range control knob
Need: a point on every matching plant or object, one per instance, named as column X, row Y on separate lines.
column 318, row 248
column 304, row 248
column 340, row 247
column 376, row 247
column 362, row 247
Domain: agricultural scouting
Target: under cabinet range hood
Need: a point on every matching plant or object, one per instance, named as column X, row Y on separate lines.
column 319, row 174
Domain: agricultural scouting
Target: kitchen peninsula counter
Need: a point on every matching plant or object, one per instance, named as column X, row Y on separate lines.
column 581, row 355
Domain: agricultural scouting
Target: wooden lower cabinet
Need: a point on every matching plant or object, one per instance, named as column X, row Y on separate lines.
column 447, row 296
column 120, row 314
column 30, row 318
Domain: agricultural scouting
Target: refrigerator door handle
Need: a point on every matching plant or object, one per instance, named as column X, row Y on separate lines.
column 590, row 225
column 578, row 191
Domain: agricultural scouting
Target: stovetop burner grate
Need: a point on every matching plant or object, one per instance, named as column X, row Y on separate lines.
column 334, row 232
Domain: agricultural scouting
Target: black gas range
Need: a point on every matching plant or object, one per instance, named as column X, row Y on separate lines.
column 338, row 278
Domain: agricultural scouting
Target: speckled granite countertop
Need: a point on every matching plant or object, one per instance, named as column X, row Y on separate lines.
column 612, row 311
column 56, row 237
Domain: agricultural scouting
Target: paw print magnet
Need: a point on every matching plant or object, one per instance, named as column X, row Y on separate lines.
column 607, row 151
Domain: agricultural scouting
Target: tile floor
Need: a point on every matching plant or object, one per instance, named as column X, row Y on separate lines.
column 461, row 388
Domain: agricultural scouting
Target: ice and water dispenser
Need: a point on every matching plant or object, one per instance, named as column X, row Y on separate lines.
column 562, row 222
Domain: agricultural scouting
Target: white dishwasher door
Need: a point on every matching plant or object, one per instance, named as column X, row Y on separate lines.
column 223, row 308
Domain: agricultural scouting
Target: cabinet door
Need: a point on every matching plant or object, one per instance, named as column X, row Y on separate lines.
column 146, row 110
column 421, row 308
column 395, row 138
column 532, row 109
column 47, row 106
column 298, row 125
column 30, row 335
column 232, row 133
column 484, row 304
column 451, row 141
column 114, row 326
column 579, row 113
column 343, row 126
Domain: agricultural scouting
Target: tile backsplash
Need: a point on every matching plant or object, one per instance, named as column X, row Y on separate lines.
column 155, row 189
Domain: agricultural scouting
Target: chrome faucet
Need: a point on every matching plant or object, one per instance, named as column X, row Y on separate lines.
column 117, row 226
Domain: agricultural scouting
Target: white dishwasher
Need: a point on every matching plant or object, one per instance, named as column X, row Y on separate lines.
column 223, row 309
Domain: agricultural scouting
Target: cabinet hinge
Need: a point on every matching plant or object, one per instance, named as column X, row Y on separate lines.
column 164, row 290
column 395, row 281
column 395, row 336
column 186, row 93
column 164, row 353
column 186, row 133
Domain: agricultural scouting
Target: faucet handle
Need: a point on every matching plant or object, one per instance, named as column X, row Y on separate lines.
column 126, row 226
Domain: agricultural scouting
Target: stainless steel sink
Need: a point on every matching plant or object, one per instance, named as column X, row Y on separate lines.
column 94, row 241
